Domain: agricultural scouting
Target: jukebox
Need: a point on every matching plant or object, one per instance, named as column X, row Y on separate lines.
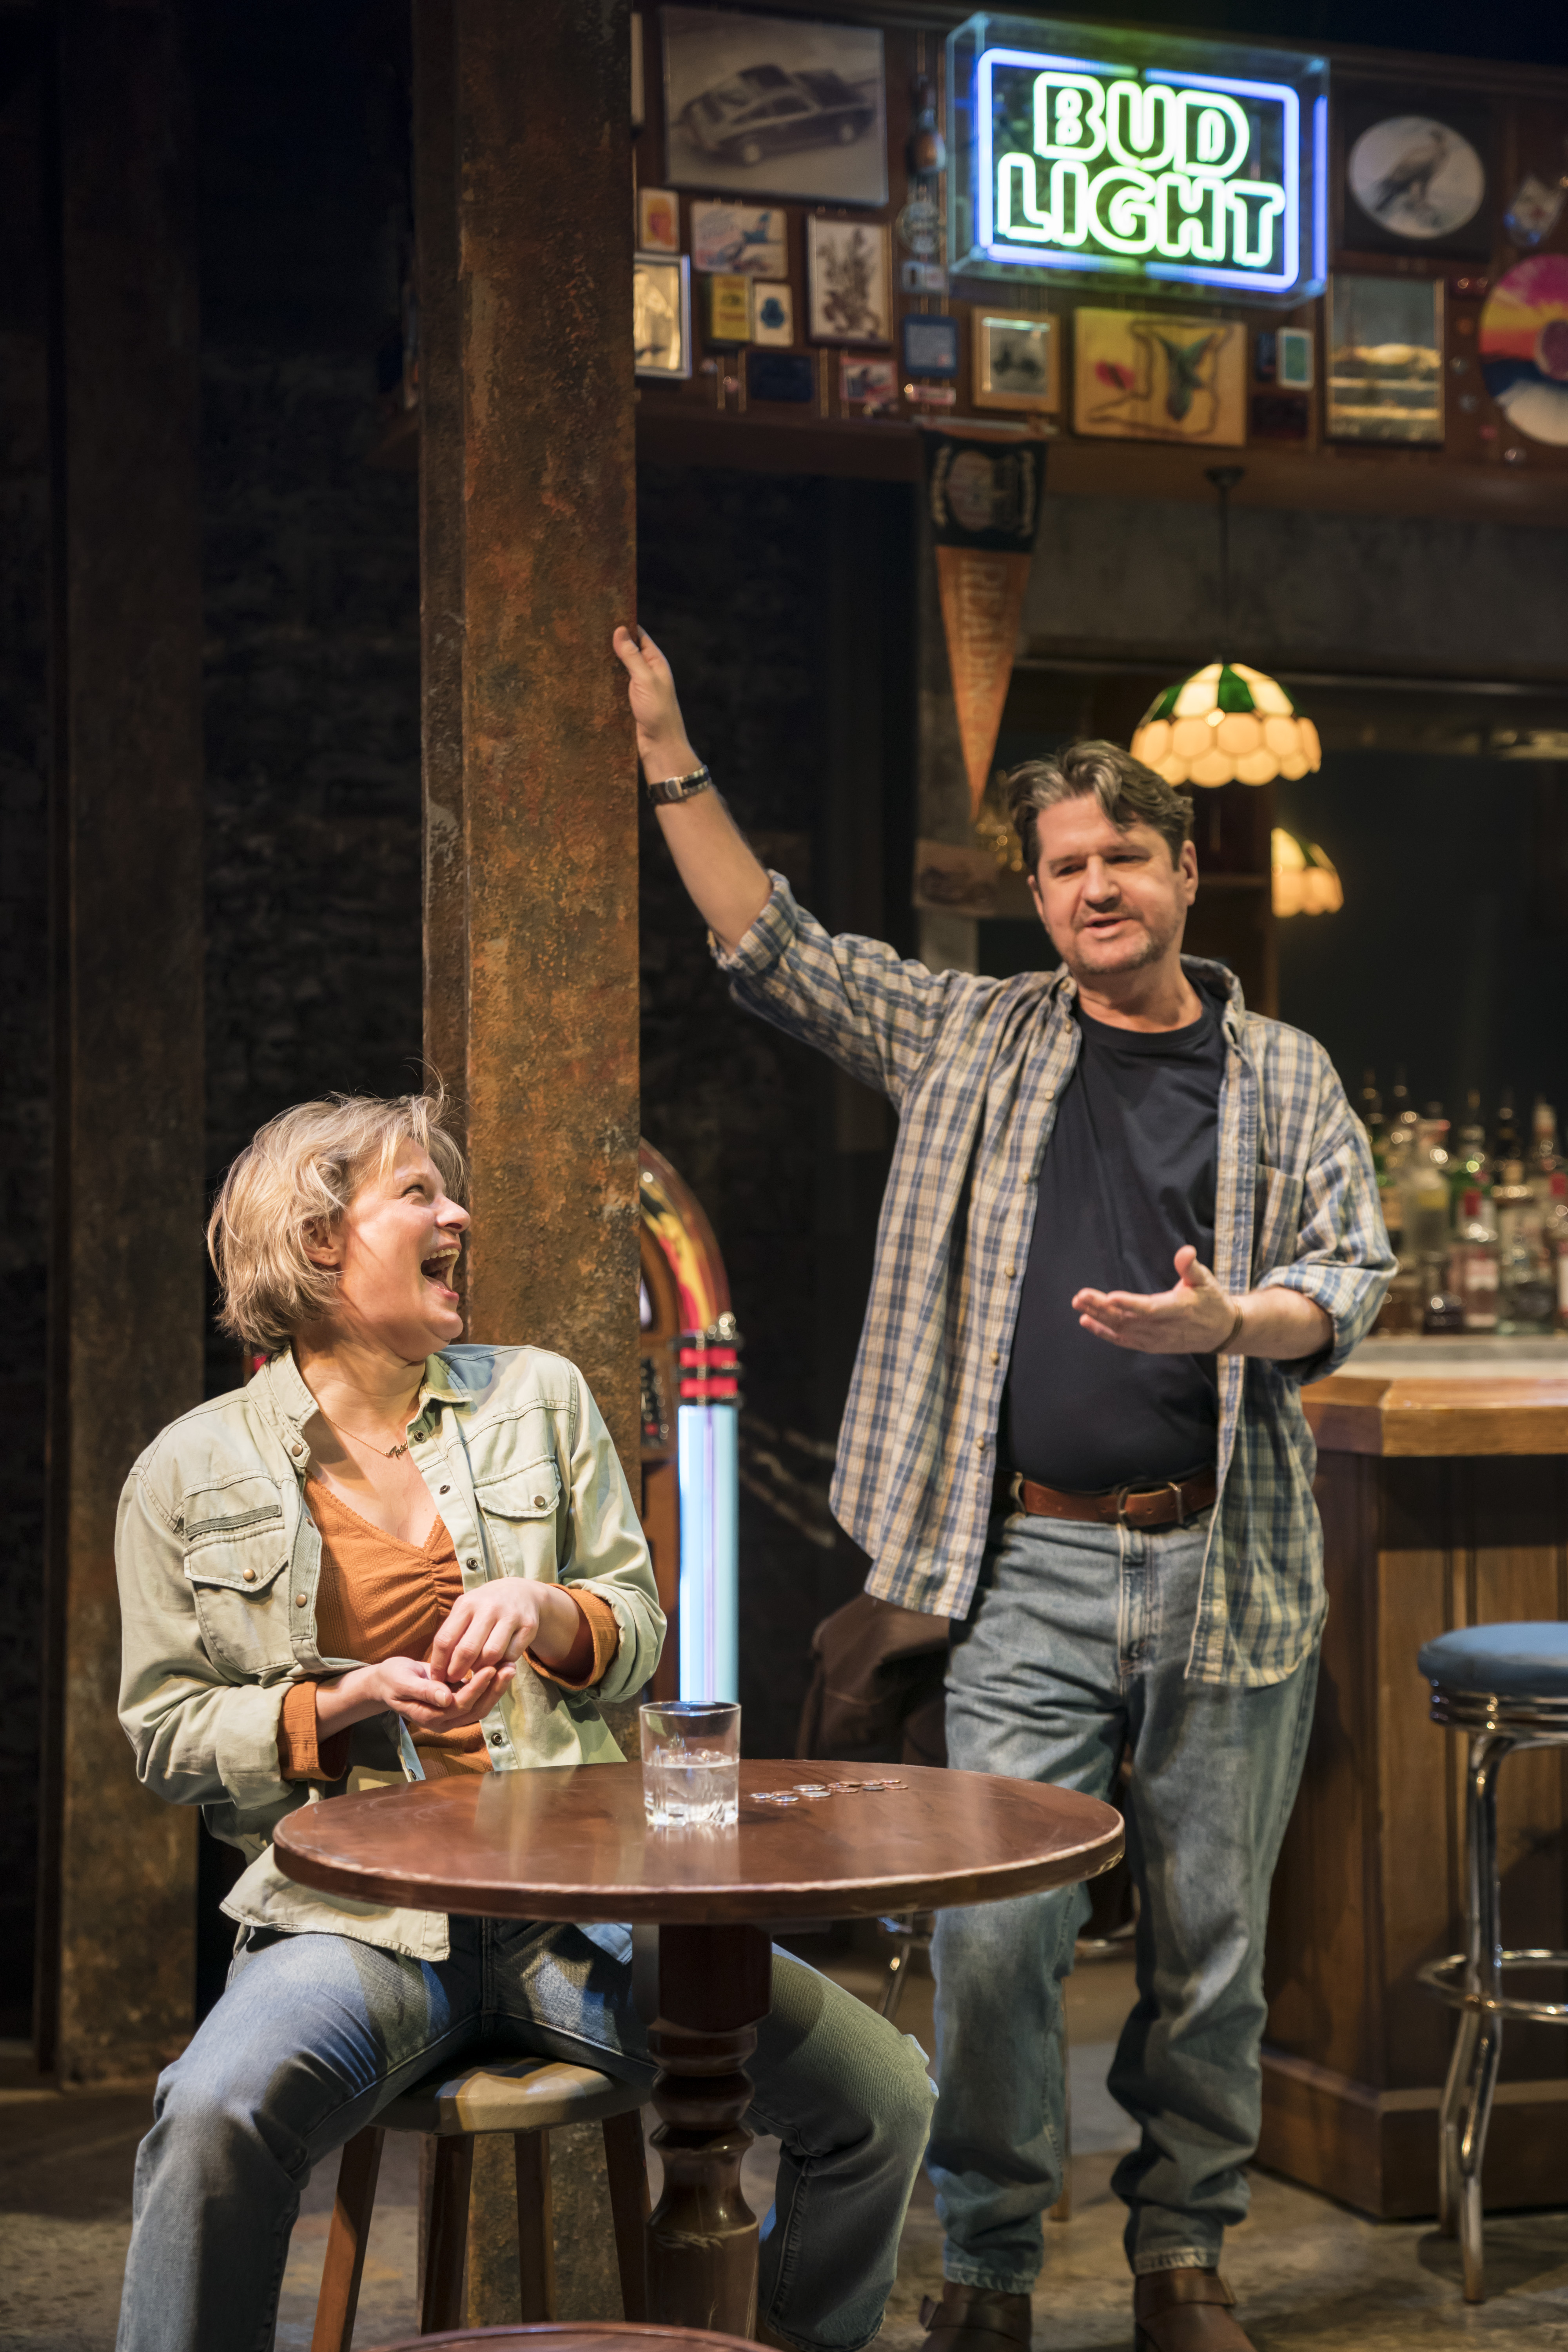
column 690, row 1404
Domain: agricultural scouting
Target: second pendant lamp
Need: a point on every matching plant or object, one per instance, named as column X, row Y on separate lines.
column 1226, row 723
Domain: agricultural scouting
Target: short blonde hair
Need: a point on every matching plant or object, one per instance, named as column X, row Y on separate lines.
column 298, row 1173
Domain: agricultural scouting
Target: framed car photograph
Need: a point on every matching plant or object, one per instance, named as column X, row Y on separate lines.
column 848, row 280
column 661, row 314
column 1015, row 363
column 774, row 106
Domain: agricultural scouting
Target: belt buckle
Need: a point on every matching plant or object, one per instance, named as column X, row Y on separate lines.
column 1167, row 1487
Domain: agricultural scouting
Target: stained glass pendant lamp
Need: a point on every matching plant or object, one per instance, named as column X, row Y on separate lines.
column 1305, row 879
column 1226, row 723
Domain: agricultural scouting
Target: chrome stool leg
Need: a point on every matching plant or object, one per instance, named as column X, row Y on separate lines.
column 1483, row 1982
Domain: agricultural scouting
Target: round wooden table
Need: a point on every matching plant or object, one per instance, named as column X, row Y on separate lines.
column 573, row 1844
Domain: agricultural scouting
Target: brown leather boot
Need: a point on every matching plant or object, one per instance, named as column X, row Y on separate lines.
column 975, row 2319
column 1185, row 2311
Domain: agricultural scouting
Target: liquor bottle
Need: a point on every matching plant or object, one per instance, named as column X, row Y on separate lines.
column 1424, row 1181
column 1555, row 1232
column 1544, row 1161
column 1469, row 1162
column 1473, row 1264
column 1527, row 1283
column 1372, row 1119
column 1507, row 1142
column 1402, row 1121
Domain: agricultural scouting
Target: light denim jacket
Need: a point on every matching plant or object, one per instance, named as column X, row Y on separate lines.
column 219, row 1564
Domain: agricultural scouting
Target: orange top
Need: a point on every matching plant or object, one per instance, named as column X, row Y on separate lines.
column 379, row 1598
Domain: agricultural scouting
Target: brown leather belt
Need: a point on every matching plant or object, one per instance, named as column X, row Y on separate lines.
column 1127, row 1507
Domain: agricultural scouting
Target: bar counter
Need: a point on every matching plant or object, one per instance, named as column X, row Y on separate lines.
column 1443, row 1485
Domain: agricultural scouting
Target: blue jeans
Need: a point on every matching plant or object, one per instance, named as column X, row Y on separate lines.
column 316, row 2033
column 1076, row 1647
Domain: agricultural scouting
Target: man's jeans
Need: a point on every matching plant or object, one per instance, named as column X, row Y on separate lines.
column 316, row 2033
column 1077, row 1645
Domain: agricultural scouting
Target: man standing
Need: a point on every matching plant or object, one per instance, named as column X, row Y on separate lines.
column 1102, row 1474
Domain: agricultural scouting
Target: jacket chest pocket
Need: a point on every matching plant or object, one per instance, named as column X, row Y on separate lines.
column 521, row 1510
column 235, row 1565
column 1276, row 1218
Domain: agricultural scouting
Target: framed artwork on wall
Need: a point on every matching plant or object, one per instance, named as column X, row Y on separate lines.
column 867, row 384
column 1015, row 363
column 658, row 220
column 929, row 346
column 775, row 105
column 1385, row 365
column 848, row 280
column 661, row 315
column 1145, row 376
column 1417, row 166
column 745, row 239
column 773, row 313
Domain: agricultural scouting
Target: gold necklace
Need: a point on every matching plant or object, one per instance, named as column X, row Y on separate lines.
column 392, row 1452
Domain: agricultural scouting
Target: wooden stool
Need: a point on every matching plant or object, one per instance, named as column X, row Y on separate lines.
column 528, row 2097
column 588, row 2336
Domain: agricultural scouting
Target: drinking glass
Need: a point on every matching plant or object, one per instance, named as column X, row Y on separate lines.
column 691, row 1764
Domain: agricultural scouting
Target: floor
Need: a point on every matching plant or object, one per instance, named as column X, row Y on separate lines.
column 1307, row 2272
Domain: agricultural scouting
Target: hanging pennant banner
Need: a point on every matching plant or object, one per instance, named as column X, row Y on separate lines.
column 984, row 497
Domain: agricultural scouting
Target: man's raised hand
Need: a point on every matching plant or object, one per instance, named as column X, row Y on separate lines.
column 662, row 744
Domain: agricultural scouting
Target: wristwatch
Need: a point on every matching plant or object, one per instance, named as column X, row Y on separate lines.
column 680, row 788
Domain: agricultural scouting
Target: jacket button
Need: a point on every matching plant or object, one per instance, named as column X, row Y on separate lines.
column 296, row 1449
column 995, row 1355
column 300, row 1600
column 446, row 1490
column 498, row 1739
column 472, row 1566
column 250, row 1576
column 539, row 1502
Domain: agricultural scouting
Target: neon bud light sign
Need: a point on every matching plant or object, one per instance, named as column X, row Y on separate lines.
column 1145, row 157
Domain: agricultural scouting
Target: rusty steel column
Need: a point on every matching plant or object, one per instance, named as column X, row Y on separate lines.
column 526, row 465
column 117, row 1936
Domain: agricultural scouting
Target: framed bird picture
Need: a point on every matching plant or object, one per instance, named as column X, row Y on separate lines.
column 1415, row 169
column 1143, row 375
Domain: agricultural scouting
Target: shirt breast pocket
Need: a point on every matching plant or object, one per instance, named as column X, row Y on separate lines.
column 1277, row 1219
column 234, row 1560
column 522, row 1510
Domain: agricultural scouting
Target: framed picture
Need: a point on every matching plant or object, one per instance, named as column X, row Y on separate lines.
column 727, row 309
column 929, row 346
column 847, row 277
column 774, row 105
column 1283, row 355
column 1385, row 360
column 746, row 239
column 661, row 314
column 773, row 313
column 1145, row 376
column 1416, row 165
column 867, row 384
column 1015, row 363
column 658, row 220
column 781, row 375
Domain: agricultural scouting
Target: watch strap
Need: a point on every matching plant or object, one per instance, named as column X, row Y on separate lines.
column 680, row 788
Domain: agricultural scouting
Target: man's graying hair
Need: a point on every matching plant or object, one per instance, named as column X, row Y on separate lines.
column 1128, row 791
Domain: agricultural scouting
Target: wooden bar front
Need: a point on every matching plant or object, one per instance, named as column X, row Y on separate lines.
column 1445, row 1503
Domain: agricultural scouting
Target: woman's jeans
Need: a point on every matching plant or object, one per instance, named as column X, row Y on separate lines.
column 317, row 2032
column 1076, row 1648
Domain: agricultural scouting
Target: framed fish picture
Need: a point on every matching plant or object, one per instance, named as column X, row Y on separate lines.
column 1143, row 375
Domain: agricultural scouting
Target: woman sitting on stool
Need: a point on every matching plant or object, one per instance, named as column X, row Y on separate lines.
column 395, row 1556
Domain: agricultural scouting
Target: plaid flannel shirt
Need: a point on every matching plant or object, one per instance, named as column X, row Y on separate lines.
column 975, row 1068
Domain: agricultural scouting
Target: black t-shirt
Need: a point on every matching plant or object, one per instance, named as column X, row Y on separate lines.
column 1127, row 1177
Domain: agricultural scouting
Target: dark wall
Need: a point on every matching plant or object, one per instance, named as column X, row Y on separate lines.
column 24, row 994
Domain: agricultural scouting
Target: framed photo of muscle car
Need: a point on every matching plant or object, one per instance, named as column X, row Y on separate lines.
column 774, row 106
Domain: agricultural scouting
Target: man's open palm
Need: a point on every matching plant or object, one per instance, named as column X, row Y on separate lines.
column 1191, row 1318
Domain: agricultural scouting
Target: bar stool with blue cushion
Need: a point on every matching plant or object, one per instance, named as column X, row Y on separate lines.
column 1507, row 1686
